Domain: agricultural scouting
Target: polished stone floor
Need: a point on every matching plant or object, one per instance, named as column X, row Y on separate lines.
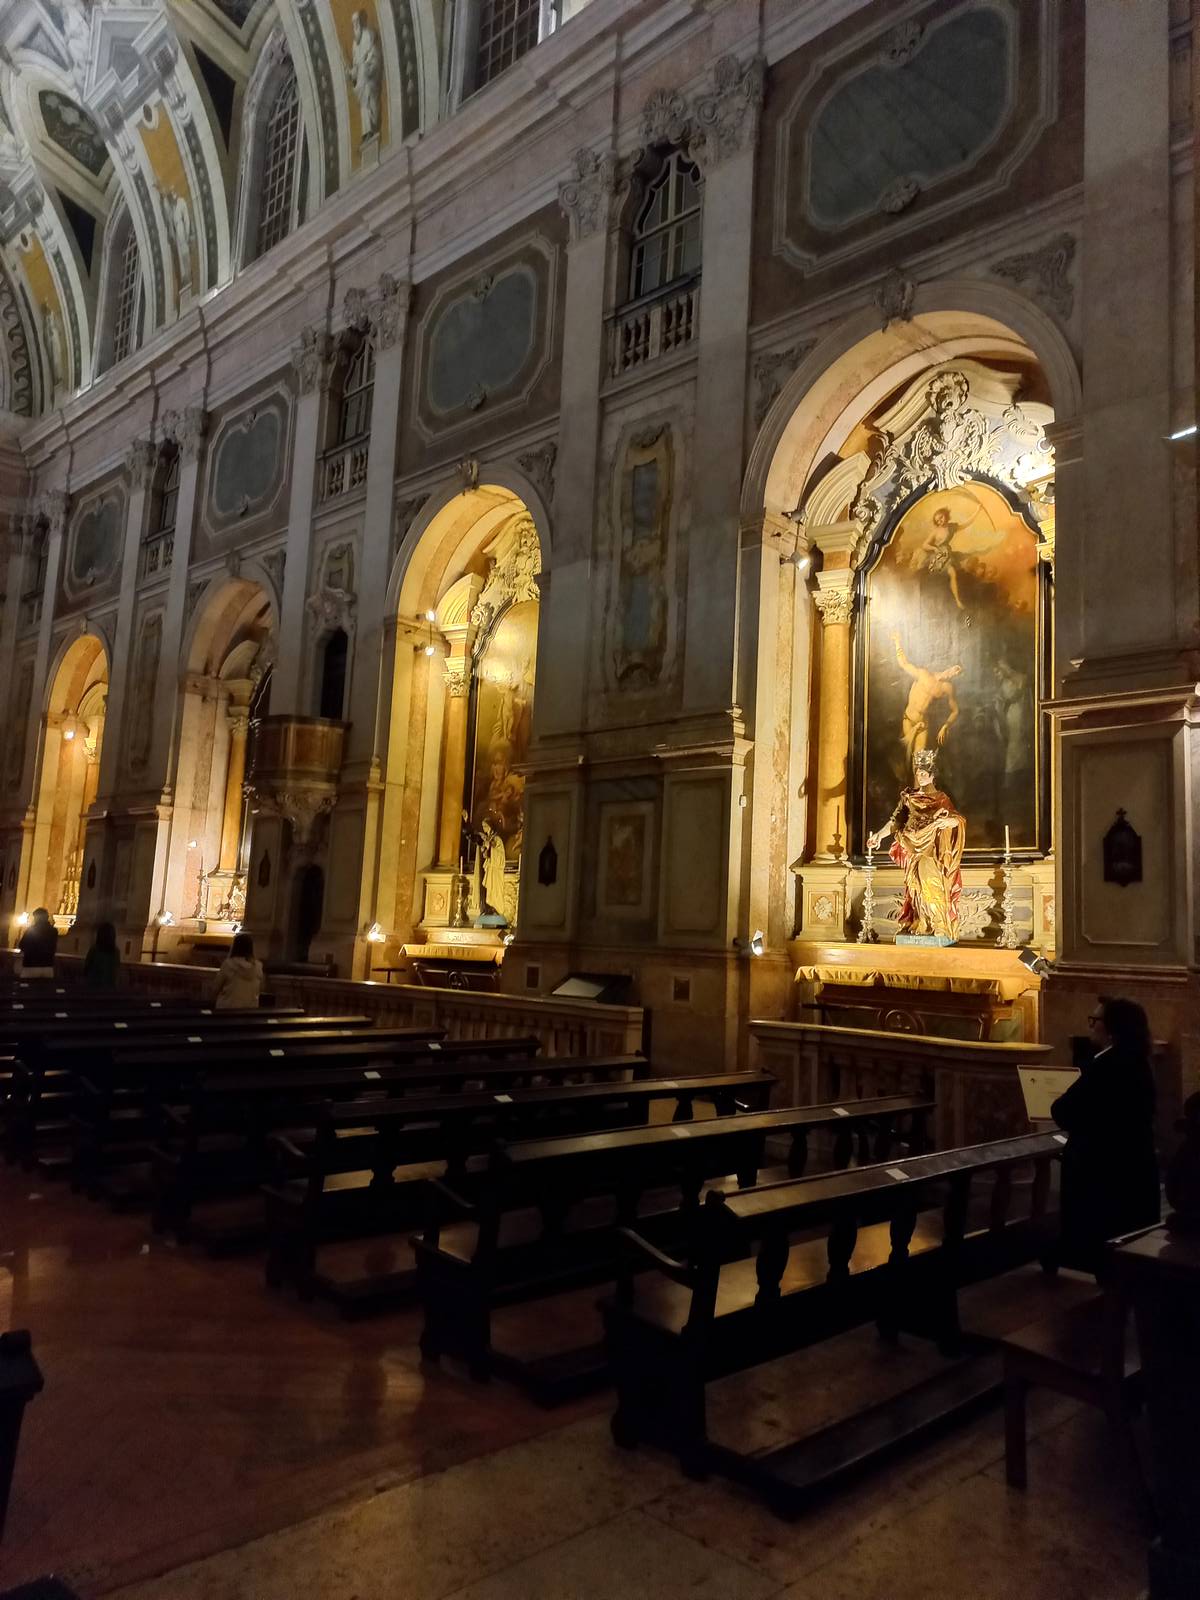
column 200, row 1439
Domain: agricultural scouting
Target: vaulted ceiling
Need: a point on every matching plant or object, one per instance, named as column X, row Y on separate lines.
column 108, row 106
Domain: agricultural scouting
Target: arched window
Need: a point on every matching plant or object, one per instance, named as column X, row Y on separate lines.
column 122, row 314
column 127, row 314
column 666, row 232
column 159, row 544
column 332, row 699
column 505, row 30
column 358, row 391
column 278, row 209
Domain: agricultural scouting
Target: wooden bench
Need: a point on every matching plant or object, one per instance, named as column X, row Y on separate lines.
column 350, row 1188
column 547, row 1213
column 1084, row 1351
column 215, row 1142
column 20, row 1380
column 755, row 1284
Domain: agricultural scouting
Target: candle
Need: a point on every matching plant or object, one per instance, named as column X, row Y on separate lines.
column 1007, row 847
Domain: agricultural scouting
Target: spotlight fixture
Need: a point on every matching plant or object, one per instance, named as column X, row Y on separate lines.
column 1184, row 433
column 431, row 616
column 1035, row 962
column 375, row 934
column 70, row 726
column 166, row 919
column 23, row 920
column 753, row 946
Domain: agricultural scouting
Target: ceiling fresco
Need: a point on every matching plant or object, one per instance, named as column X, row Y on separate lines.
column 109, row 105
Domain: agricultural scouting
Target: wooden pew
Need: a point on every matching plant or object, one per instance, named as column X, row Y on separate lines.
column 20, row 1380
column 514, row 1243
column 41, row 1092
column 740, row 1295
column 214, row 1142
column 350, row 1190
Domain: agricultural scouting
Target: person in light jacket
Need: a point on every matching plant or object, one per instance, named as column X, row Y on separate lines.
column 239, row 977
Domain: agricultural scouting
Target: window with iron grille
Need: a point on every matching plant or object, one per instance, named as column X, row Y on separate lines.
column 168, row 499
column 358, row 391
column 281, row 144
column 129, row 291
column 666, row 235
column 508, row 29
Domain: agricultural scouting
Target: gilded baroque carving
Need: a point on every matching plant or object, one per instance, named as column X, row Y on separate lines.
column 458, row 678
column 771, row 372
column 1047, row 269
column 310, row 359
column 141, row 463
column 835, row 605
column 974, row 912
column 512, row 577
column 586, row 198
column 894, row 297
column 539, row 464
column 726, row 119
column 303, row 807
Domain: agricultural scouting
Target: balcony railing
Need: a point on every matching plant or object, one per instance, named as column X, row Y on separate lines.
column 157, row 553
column 344, row 468
column 654, row 326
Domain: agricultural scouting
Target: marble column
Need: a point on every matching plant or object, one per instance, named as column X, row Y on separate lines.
column 53, row 507
column 141, row 463
column 311, row 362
column 454, row 762
column 723, row 140
column 835, row 604
column 235, row 777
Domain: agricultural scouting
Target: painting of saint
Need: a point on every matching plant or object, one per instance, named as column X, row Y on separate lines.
column 950, row 662
column 503, row 708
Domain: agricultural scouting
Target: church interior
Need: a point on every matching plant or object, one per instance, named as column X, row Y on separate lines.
column 599, row 800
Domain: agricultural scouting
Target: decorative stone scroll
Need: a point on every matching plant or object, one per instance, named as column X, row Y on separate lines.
column 540, row 464
column 310, row 359
column 894, row 297
column 771, row 372
column 141, row 463
column 382, row 313
column 1048, row 269
column 186, row 430
column 720, row 122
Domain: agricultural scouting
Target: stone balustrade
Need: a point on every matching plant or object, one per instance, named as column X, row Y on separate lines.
column 654, row 327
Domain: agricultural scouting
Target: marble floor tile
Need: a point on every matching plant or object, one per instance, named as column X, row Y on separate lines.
column 987, row 1542
column 629, row 1558
column 433, row 1536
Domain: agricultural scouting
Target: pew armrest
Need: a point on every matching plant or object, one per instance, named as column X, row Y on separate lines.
column 678, row 1271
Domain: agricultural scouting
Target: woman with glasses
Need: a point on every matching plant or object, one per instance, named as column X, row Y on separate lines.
column 1110, row 1179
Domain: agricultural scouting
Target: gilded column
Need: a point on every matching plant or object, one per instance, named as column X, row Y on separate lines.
column 454, row 764
column 235, row 777
column 834, row 600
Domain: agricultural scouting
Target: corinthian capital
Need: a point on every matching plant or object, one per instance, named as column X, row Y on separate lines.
column 836, row 605
column 53, row 506
column 586, row 198
column 725, row 120
column 141, row 462
column 186, row 430
column 310, row 358
column 383, row 313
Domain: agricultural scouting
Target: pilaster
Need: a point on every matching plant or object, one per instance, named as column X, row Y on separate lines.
column 311, row 364
column 141, row 463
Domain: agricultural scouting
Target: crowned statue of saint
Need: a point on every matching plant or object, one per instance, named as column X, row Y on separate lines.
column 928, row 835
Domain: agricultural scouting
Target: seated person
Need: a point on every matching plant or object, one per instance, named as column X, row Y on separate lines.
column 239, row 977
column 38, row 945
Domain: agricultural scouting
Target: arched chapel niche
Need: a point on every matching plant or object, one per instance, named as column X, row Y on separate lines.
column 918, row 477
column 224, row 692
column 68, row 775
column 461, row 721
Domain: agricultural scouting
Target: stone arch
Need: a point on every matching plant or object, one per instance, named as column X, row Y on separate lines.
column 964, row 315
column 464, row 670
column 67, row 774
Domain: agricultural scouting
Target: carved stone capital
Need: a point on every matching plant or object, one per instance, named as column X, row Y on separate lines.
column 332, row 608
column 665, row 118
column 141, row 463
column 586, row 198
column 540, row 464
column 53, row 506
column 894, row 297
column 458, row 678
column 836, row 605
column 311, row 357
column 725, row 120
column 771, row 372
column 381, row 314
column 186, row 430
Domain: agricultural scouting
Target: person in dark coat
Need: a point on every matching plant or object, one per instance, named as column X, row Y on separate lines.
column 1110, row 1181
column 38, row 945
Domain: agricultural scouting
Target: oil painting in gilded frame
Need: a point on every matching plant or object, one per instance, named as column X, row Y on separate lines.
column 503, row 694
column 950, row 659
column 623, row 887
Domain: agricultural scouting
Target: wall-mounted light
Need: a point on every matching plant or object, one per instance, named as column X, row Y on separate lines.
column 375, row 934
column 166, row 919
column 23, row 920
column 70, row 726
column 1184, row 433
column 753, row 946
